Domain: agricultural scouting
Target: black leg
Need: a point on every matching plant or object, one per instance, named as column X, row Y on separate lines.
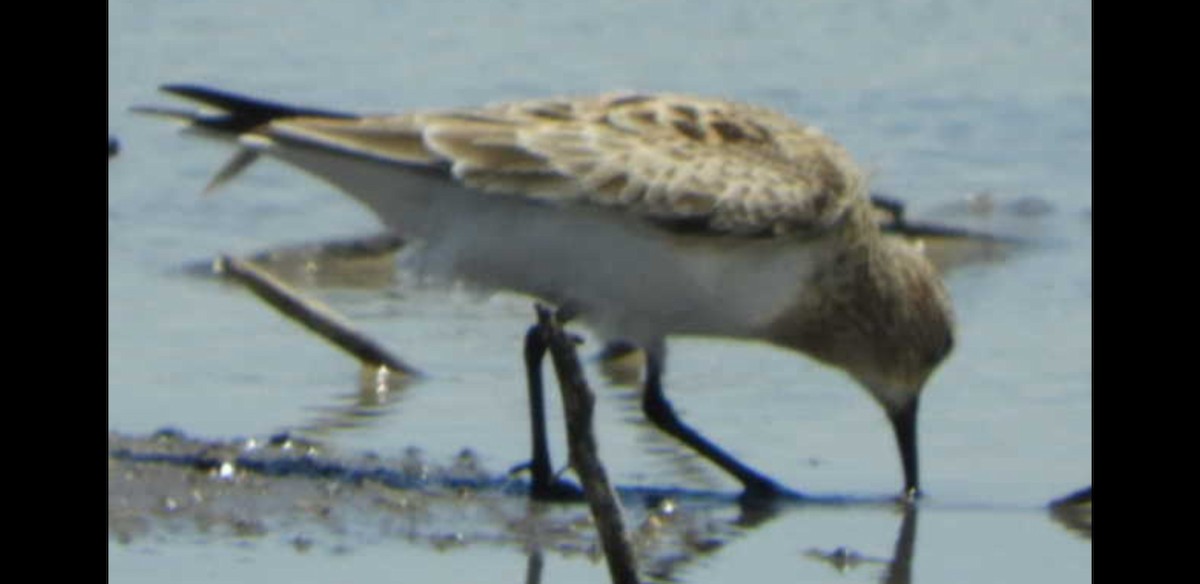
column 545, row 487
column 659, row 411
column 535, row 350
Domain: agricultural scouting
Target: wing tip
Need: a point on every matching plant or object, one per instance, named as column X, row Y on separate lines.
column 238, row 113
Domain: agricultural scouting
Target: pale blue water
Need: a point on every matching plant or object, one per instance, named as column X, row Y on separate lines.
column 938, row 99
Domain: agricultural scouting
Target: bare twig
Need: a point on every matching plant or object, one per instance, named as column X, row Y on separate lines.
column 579, row 402
column 313, row 315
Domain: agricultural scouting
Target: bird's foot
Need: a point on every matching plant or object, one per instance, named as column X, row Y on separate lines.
column 556, row 490
column 549, row 489
column 763, row 490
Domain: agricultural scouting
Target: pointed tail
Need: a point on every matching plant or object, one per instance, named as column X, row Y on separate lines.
column 236, row 113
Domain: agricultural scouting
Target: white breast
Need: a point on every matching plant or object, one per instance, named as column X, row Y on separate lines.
column 629, row 278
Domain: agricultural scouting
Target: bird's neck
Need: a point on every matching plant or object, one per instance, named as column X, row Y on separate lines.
column 864, row 305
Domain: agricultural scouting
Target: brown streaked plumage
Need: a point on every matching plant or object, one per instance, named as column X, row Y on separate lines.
column 743, row 169
column 650, row 216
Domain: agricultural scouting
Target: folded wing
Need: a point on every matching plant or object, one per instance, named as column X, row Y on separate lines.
column 681, row 162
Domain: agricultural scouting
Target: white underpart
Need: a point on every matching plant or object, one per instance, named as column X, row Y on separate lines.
column 630, row 279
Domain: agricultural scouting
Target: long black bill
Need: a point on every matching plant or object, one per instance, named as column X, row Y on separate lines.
column 904, row 424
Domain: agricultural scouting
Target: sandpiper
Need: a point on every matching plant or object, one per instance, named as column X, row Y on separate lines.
column 645, row 215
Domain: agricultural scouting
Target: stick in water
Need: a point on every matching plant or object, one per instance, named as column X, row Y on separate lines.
column 313, row 315
column 578, row 403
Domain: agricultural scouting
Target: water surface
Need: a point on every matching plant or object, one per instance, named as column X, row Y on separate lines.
column 939, row 100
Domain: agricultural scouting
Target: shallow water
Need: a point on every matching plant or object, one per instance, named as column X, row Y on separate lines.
column 940, row 101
